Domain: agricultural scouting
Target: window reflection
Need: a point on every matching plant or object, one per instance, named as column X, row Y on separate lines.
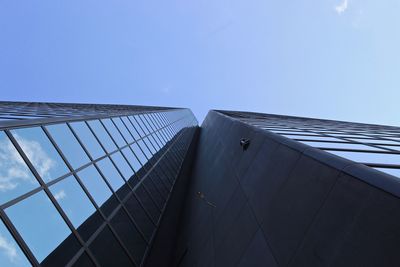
column 134, row 162
column 73, row 200
column 103, row 136
column 39, row 224
column 317, row 138
column 379, row 141
column 110, row 173
column 10, row 253
column 143, row 123
column 114, row 132
column 154, row 143
column 160, row 137
column 121, row 127
column 88, row 139
column 131, row 129
column 369, row 157
column 397, row 148
column 15, row 177
column 136, row 126
column 68, row 144
column 340, row 145
column 95, row 184
column 144, row 147
column 394, row 172
column 139, row 153
column 122, row 165
column 40, row 152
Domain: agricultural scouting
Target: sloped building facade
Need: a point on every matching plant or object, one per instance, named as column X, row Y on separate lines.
column 118, row 185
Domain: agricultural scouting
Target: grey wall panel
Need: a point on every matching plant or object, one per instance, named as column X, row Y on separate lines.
column 280, row 203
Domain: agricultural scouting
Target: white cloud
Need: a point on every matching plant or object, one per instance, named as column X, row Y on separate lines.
column 341, row 7
column 39, row 158
column 13, row 170
column 60, row 195
column 12, row 167
column 9, row 249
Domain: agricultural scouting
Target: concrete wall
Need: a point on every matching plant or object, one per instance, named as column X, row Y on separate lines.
column 282, row 203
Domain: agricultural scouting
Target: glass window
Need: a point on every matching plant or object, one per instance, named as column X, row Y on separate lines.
column 150, row 145
column 132, row 159
column 113, row 248
column 110, row 173
column 114, row 132
column 394, row 172
column 292, row 132
column 160, row 138
column 73, row 200
column 95, row 184
column 369, row 141
column 88, row 139
column 122, row 165
column 153, row 124
column 120, row 125
column 143, row 123
column 84, row 260
column 316, row 138
column 155, row 142
column 397, row 148
column 147, row 203
column 10, row 253
column 139, row 153
column 40, row 152
column 39, row 224
column 140, row 216
column 68, row 144
column 15, row 177
column 340, row 145
column 369, row 157
column 136, row 126
column 157, row 117
column 165, row 117
column 171, row 129
column 165, row 133
column 103, row 136
column 143, row 146
column 129, row 235
column 132, row 130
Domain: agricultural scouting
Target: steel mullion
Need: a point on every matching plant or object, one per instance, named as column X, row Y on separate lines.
column 123, row 155
column 150, row 130
column 8, row 125
column 144, row 138
column 148, row 138
column 162, row 118
column 162, row 214
column 55, row 203
column 155, row 123
column 43, row 184
column 18, row 239
column 87, row 191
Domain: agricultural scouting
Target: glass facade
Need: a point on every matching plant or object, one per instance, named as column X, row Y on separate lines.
column 376, row 146
column 76, row 177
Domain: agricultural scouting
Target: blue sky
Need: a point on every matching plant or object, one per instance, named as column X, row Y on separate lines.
column 333, row 59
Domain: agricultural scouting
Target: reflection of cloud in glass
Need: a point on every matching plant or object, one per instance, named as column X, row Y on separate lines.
column 37, row 155
column 8, row 249
column 60, row 195
column 12, row 167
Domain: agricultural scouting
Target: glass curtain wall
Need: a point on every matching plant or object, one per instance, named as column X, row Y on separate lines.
column 376, row 146
column 69, row 189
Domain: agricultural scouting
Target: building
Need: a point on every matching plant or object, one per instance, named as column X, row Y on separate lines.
column 86, row 185
column 117, row 185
